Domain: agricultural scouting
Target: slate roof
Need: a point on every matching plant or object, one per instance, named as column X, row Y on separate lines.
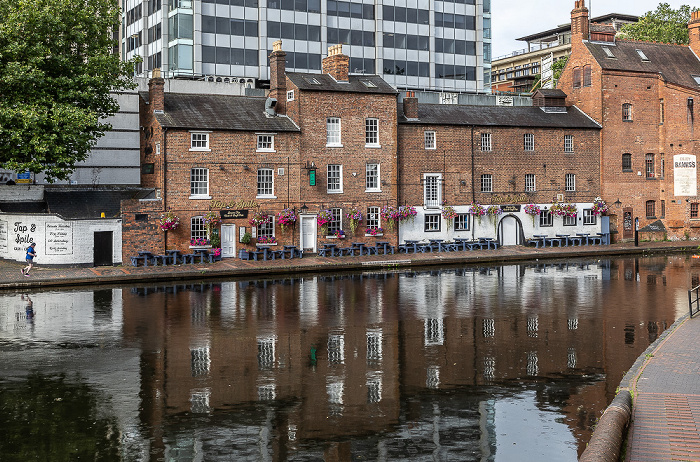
column 498, row 116
column 76, row 203
column 23, row 207
column 355, row 84
column 676, row 63
column 219, row 112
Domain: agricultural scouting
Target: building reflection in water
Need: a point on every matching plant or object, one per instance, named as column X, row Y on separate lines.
column 460, row 364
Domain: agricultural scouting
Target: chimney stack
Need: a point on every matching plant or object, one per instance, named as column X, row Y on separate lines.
column 694, row 32
column 410, row 106
column 579, row 22
column 278, row 77
column 336, row 64
column 156, row 91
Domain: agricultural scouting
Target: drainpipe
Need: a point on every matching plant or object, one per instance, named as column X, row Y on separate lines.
column 162, row 191
column 473, row 191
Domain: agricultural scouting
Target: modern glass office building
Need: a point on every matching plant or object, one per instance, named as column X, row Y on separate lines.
column 414, row 44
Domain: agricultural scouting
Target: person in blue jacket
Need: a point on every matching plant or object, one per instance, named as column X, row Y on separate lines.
column 31, row 253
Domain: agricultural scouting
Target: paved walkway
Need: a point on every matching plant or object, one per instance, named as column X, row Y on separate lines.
column 43, row 276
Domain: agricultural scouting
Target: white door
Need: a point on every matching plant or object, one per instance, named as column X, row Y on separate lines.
column 228, row 241
column 509, row 231
column 308, row 233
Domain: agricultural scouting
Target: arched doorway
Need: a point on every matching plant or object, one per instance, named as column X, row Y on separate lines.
column 510, row 231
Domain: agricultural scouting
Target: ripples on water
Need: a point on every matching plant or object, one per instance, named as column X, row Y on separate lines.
column 495, row 364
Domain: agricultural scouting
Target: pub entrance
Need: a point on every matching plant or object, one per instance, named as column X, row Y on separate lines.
column 102, row 252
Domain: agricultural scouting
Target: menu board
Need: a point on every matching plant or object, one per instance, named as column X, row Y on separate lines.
column 59, row 238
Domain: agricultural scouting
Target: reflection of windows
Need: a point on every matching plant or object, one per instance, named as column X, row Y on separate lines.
column 533, row 326
column 336, row 349
column 266, row 353
column 267, row 392
column 489, row 368
column 572, row 323
column 335, row 389
column 434, row 332
column 432, row 379
column 489, row 328
column 374, row 346
column 199, row 402
column 200, row 361
column 589, row 218
column 571, row 358
column 532, row 363
column 374, row 389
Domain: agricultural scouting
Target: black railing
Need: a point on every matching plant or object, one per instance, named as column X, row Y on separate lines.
column 694, row 300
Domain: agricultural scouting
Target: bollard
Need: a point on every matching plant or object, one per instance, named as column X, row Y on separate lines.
column 609, row 433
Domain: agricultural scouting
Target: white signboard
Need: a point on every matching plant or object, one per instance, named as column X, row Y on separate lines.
column 449, row 98
column 685, row 180
column 59, row 238
column 3, row 236
column 547, row 75
column 504, row 100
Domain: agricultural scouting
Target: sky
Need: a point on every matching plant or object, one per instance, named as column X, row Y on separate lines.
column 511, row 19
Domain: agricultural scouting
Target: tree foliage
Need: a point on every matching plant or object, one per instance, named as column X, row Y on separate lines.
column 664, row 25
column 56, row 71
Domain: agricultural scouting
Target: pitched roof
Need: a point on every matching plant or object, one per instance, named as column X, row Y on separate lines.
column 676, row 63
column 356, row 83
column 219, row 112
column 498, row 116
column 81, row 202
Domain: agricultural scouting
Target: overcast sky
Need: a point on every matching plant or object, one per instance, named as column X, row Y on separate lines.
column 512, row 19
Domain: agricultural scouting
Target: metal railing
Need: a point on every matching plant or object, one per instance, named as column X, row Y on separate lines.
column 694, row 300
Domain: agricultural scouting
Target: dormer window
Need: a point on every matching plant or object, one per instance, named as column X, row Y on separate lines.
column 642, row 55
column 368, row 83
column 312, row 80
column 608, row 52
column 696, row 78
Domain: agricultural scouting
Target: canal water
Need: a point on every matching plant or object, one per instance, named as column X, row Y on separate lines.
column 501, row 363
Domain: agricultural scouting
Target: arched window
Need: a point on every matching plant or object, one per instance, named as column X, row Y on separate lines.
column 627, row 112
column 627, row 162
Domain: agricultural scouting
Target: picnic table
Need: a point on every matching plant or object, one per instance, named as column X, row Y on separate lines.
column 410, row 244
column 540, row 238
column 174, row 255
column 489, row 241
column 564, row 239
column 386, row 248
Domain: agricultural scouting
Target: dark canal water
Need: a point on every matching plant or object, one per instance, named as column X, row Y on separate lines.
column 508, row 363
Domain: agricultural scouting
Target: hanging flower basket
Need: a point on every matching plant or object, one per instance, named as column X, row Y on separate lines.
column 286, row 218
column 390, row 215
column 449, row 214
column 354, row 218
column 211, row 220
column 169, row 221
column 477, row 210
column 324, row 217
column 599, row 207
column 564, row 210
column 534, row 211
column 493, row 212
column 258, row 219
column 407, row 212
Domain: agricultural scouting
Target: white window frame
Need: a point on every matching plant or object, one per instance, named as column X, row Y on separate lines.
column 589, row 218
column 529, row 142
column 530, row 182
column 546, row 219
column 429, row 139
column 372, row 175
column 487, row 183
column 290, row 95
column 265, row 142
column 570, row 180
column 333, row 132
column 267, row 229
column 337, row 171
column 373, row 218
column 486, row 142
column 432, row 190
column 336, row 222
column 197, row 228
column 267, row 191
column 372, row 133
column 197, row 184
column 568, row 143
column 199, row 141
column 569, row 220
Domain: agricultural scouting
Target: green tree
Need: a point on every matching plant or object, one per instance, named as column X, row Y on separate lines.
column 664, row 25
column 56, row 71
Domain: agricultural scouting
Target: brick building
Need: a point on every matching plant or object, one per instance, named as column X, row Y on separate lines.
column 642, row 94
column 503, row 156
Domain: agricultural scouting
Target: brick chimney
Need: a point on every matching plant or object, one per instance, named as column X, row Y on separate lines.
column 410, row 106
column 156, row 92
column 278, row 77
column 579, row 22
column 694, row 32
column 336, row 64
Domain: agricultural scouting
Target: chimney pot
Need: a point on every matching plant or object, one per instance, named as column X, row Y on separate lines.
column 336, row 64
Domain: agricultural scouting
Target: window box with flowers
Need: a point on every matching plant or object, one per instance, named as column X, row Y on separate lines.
column 266, row 240
column 340, row 234
column 169, row 221
column 200, row 244
column 374, row 232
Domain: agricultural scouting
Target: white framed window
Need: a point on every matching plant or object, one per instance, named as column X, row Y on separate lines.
column 336, row 222
column 335, row 178
column 432, row 190
column 486, row 183
column 429, row 139
column 432, row 222
column 570, row 182
column 290, row 95
column 529, row 142
column 372, row 217
column 336, row 348
column 266, row 142
column 372, row 178
column 267, row 229
column 589, row 218
column 530, row 185
column 486, row 141
column 546, row 219
column 569, row 221
column 200, row 362
column 568, row 143
column 197, row 228
column 462, row 222
column 199, row 141
column 265, row 183
column 199, row 183
column 333, row 131
column 372, row 132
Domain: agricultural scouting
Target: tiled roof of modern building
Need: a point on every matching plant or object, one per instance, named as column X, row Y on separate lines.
column 219, row 112
column 356, row 83
column 567, row 27
column 498, row 116
column 675, row 63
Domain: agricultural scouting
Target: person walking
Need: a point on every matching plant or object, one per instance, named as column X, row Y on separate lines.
column 31, row 253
